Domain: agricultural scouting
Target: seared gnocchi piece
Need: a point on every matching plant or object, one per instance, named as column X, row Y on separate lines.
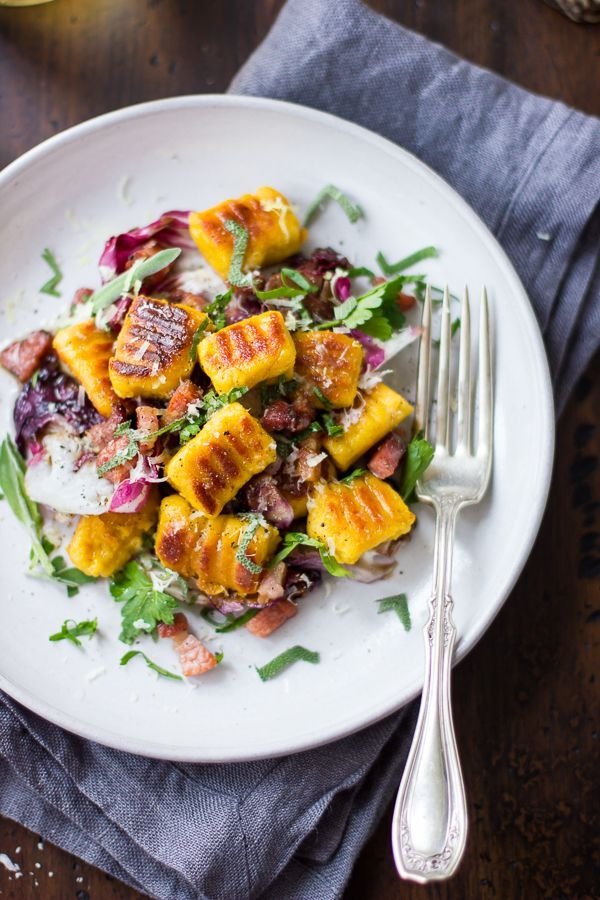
column 274, row 232
column 211, row 468
column 383, row 410
column 101, row 545
column 210, row 550
column 85, row 350
column 353, row 518
column 330, row 362
column 244, row 354
column 155, row 348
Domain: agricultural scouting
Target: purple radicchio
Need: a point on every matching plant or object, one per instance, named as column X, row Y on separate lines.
column 130, row 496
column 171, row 229
column 374, row 352
column 51, row 396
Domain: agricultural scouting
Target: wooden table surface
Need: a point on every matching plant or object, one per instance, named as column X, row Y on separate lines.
column 526, row 696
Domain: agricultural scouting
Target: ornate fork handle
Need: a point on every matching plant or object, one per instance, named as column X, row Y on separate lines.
column 429, row 828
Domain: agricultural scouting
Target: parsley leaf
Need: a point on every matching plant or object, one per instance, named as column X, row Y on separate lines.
column 419, row 454
column 286, row 659
column 12, row 482
column 216, row 309
column 357, row 473
column 73, row 632
column 331, row 192
column 143, row 606
column 295, row 539
column 142, row 268
column 151, row 665
column 235, row 275
column 398, row 603
column 50, row 286
column 395, row 268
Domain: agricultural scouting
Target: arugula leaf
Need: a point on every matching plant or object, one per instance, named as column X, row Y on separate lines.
column 357, row 473
column 230, row 622
column 151, row 665
column 50, row 286
column 254, row 522
column 295, row 539
column 142, row 268
column 73, row 632
column 12, row 482
column 235, row 275
column 216, row 309
column 331, row 192
column 395, row 268
column 398, row 603
column 143, row 606
column 419, row 454
column 286, row 659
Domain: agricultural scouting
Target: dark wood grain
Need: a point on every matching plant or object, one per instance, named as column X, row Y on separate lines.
column 526, row 696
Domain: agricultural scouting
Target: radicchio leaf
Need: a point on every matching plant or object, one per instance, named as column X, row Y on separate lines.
column 374, row 353
column 51, row 396
column 171, row 229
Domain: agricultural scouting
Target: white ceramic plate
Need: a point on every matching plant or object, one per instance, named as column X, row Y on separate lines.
column 125, row 168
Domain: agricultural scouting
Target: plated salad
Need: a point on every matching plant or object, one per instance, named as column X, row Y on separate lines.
column 212, row 425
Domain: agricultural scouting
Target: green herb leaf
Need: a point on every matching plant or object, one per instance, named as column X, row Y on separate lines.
column 357, row 473
column 72, row 632
column 142, row 268
column 198, row 334
column 254, row 522
column 151, row 665
column 331, row 192
column 12, row 482
column 359, row 271
column 378, row 327
column 228, row 621
column 395, row 268
column 419, row 454
column 216, row 309
column 285, row 660
column 50, row 286
column 295, row 539
column 299, row 288
column 398, row 603
column 143, row 606
column 240, row 245
column 331, row 426
column 321, row 397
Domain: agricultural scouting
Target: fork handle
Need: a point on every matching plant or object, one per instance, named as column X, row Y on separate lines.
column 429, row 827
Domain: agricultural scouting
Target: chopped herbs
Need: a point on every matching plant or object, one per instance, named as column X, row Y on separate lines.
column 122, row 284
column 240, row 245
column 285, row 660
column 419, row 454
column 398, row 603
column 408, row 261
column 12, row 482
column 197, row 338
column 50, row 286
column 254, row 522
column 295, row 539
column 229, row 622
column 359, row 271
column 151, row 665
column 299, row 288
column 331, row 192
column 71, row 577
column 357, row 473
column 72, row 632
column 321, row 397
column 216, row 309
column 331, row 426
column 143, row 606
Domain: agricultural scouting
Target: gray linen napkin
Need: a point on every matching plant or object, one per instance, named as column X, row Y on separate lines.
column 292, row 828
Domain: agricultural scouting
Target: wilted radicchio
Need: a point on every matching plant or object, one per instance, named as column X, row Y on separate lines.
column 374, row 353
column 321, row 261
column 171, row 229
column 51, row 396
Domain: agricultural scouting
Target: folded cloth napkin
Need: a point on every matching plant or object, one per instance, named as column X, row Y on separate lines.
column 293, row 827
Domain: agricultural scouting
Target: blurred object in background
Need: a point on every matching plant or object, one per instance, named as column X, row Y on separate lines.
column 578, row 10
column 23, row 2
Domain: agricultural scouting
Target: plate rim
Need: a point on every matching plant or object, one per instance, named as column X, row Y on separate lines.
column 281, row 746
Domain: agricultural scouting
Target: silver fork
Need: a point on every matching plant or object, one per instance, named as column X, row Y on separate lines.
column 429, row 827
